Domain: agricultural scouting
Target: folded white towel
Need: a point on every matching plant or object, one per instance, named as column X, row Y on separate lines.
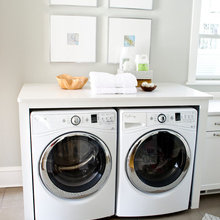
column 102, row 80
column 106, row 83
column 126, row 80
column 107, row 80
column 114, row 90
column 127, row 90
column 104, row 90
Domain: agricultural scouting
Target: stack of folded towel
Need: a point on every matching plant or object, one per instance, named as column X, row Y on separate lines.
column 102, row 83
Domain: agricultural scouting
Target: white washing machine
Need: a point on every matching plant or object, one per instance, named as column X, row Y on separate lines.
column 74, row 163
column 155, row 160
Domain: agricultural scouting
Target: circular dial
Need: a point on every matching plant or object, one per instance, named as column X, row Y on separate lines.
column 161, row 118
column 75, row 120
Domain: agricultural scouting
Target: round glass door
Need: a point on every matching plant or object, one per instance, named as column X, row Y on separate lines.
column 75, row 165
column 158, row 161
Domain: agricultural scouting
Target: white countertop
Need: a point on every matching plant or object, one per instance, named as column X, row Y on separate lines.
column 52, row 94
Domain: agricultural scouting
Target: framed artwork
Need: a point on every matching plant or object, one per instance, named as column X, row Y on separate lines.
column 74, row 2
column 128, row 32
column 73, row 39
column 133, row 4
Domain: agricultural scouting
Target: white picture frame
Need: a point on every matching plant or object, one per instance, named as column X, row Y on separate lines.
column 74, row 2
column 129, row 32
column 73, row 39
column 131, row 4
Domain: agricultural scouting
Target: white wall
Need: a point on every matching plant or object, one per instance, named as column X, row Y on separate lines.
column 11, row 79
column 24, row 52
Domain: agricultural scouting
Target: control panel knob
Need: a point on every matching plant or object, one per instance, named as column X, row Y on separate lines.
column 161, row 118
column 75, row 120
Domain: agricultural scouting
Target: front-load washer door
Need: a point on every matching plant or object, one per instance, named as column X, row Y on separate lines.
column 158, row 161
column 75, row 165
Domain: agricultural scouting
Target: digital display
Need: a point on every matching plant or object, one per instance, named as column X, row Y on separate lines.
column 177, row 116
column 94, row 118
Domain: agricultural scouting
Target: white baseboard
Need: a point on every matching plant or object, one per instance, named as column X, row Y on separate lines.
column 10, row 177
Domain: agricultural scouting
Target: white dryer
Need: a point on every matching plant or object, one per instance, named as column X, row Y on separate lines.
column 155, row 160
column 74, row 163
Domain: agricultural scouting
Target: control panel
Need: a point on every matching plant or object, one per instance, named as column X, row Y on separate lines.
column 78, row 120
column 183, row 118
column 100, row 118
column 164, row 117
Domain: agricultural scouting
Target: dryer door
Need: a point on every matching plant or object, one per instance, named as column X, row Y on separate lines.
column 158, row 161
column 75, row 165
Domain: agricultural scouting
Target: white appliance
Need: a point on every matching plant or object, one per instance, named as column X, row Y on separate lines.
column 155, row 160
column 74, row 163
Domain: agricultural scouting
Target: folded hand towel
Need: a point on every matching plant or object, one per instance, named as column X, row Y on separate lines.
column 106, row 83
column 127, row 90
column 126, row 80
column 114, row 90
column 104, row 90
column 107, row 80
column 102, row 80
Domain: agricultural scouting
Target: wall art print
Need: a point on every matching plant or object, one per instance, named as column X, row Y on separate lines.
column 73, row 39
column 129, row 40
column 128, row 32
column 74, row 2
column 131, row 4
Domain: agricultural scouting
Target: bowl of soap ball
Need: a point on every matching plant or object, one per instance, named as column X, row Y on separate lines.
column 148, row 87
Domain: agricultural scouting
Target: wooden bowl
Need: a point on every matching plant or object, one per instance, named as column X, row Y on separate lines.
column 148, row 89
column 69, row 82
